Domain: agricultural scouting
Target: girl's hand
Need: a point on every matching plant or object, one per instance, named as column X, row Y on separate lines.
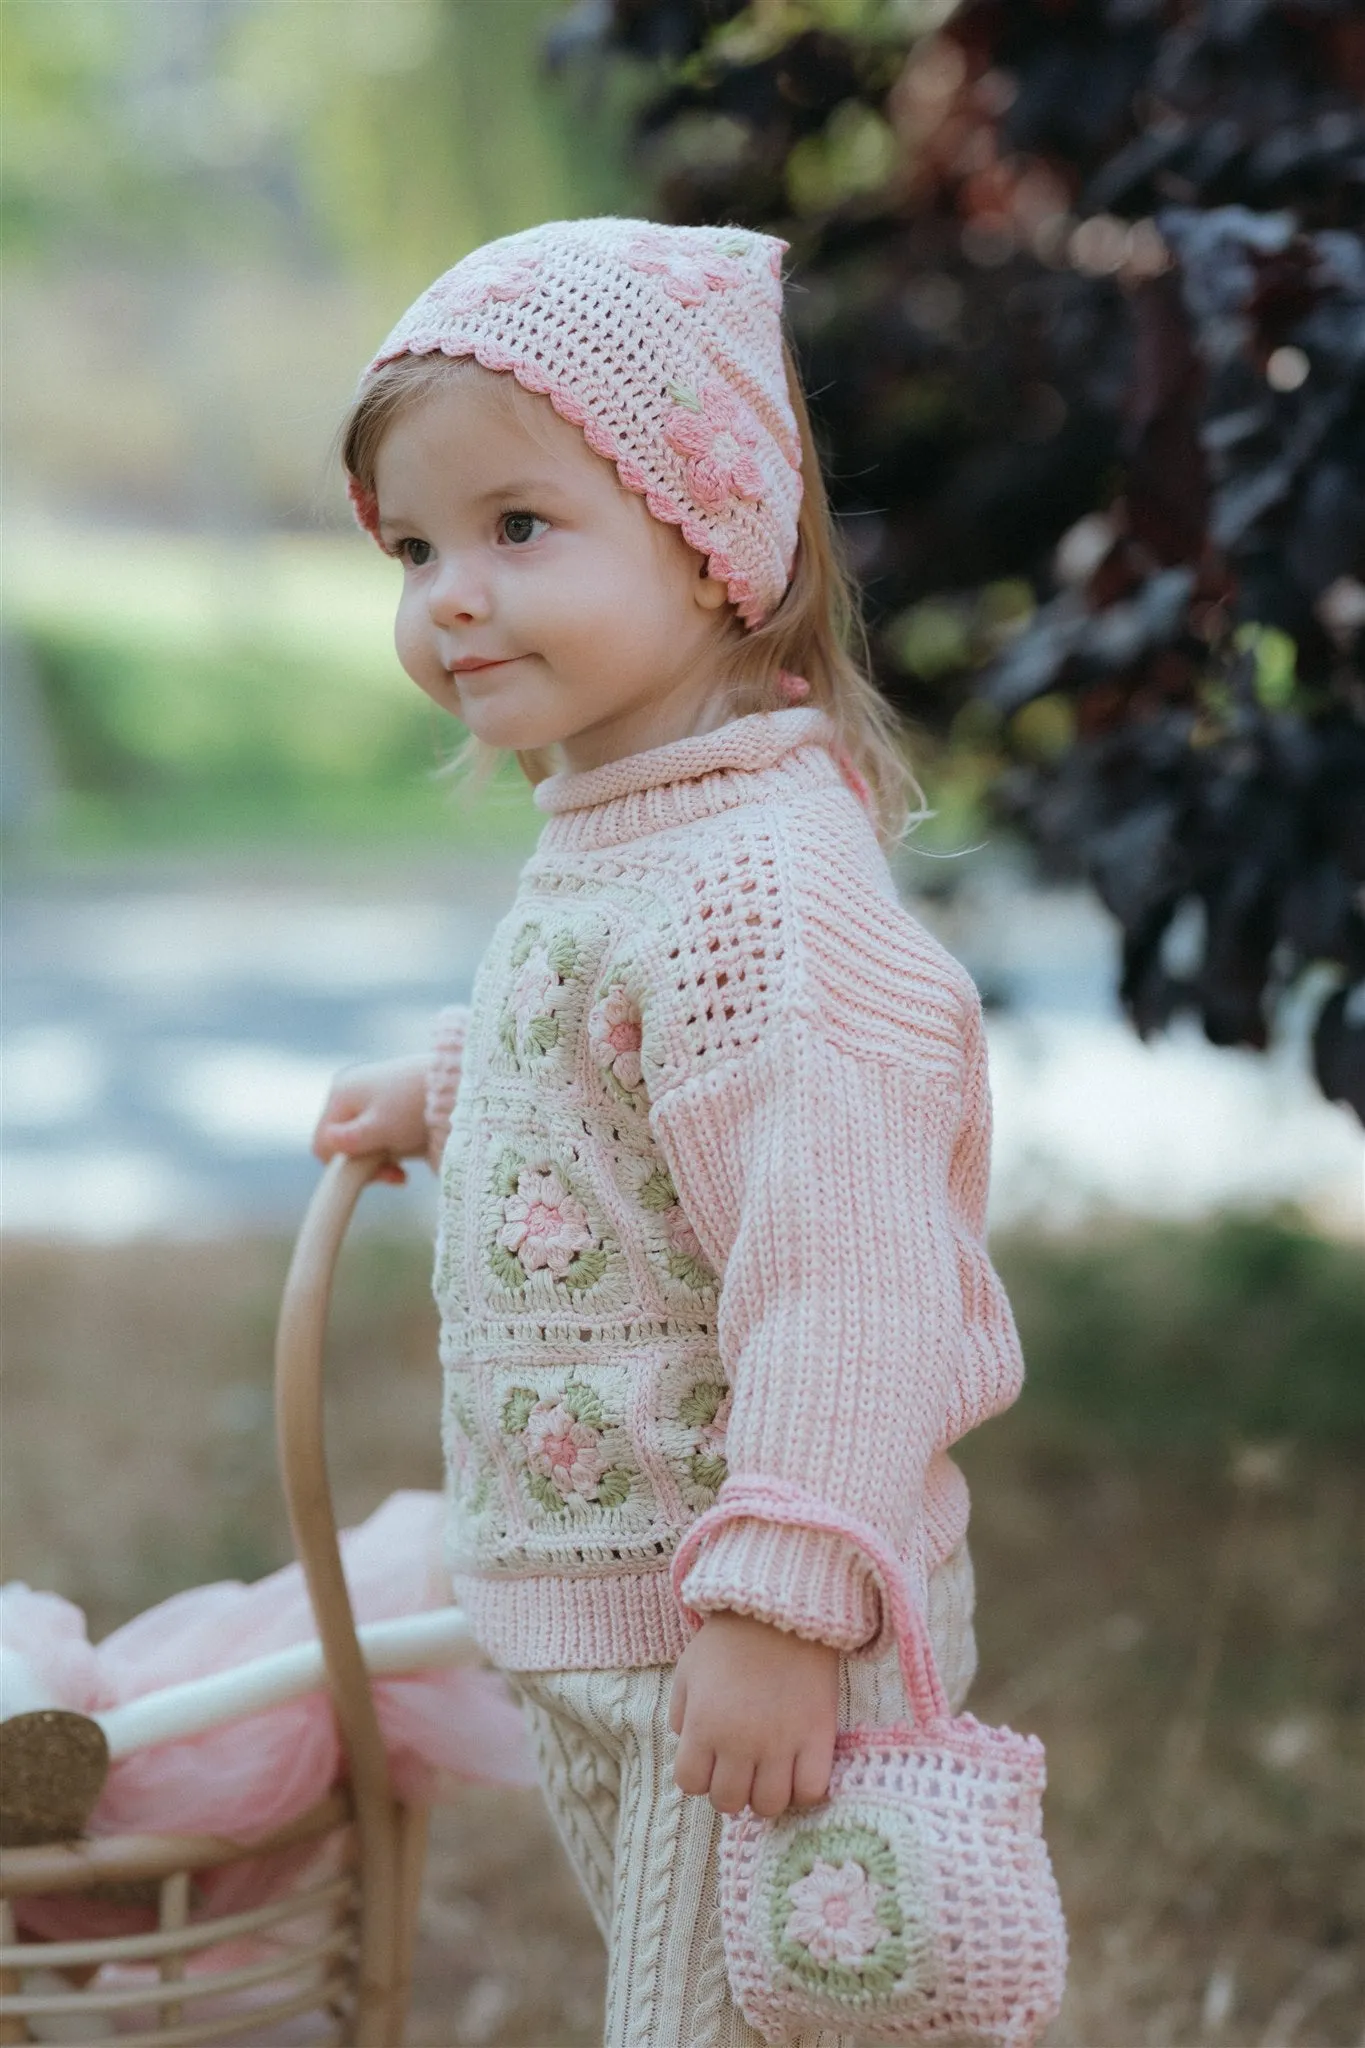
column 376, row 1108
column 755, row 1710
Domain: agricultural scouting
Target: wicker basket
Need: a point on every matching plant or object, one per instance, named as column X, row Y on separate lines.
column 351, row 1969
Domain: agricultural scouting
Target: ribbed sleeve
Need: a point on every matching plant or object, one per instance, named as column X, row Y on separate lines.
column 443, row 1076
column 819, row 1182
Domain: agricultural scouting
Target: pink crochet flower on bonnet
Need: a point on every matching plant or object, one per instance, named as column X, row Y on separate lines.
column 664, row 345
column 717, row 435
column 686, row 278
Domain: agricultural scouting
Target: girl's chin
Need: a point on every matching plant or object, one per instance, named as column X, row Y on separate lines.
column 499, row 726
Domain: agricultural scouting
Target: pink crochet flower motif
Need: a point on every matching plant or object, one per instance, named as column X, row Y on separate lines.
column 564, row 1450
column 543, row 1224
column 508, row 282
column 686, row 278
column 834, row 1912
column 716, row 433
column 615, row 1033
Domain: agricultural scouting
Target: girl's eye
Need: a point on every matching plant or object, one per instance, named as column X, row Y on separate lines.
column 519, row 527
column 416, row 553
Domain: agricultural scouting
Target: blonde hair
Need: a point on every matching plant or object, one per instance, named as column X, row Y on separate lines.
column 816, row 631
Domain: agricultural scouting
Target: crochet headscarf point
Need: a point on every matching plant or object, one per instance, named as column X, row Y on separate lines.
column 664, row 345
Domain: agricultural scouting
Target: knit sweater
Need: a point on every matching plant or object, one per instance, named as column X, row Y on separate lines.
column 712, row 1203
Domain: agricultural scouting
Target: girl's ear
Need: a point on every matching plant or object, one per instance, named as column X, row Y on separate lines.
column 710, row 594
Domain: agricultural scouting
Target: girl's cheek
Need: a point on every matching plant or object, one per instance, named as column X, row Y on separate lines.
column 410, row 643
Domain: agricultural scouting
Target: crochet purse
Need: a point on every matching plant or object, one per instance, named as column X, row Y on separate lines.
column 917, row 1902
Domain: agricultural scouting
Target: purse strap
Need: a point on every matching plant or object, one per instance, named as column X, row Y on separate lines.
column 760, row 1499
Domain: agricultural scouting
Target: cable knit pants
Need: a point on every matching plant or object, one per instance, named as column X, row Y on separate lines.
column 645, row 1853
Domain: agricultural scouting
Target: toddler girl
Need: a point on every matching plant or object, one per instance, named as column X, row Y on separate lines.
column 713, row 1132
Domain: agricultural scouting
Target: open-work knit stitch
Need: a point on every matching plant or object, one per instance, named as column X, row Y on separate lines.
column 713, row 1197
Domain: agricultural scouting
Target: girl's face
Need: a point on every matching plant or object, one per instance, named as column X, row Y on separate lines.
column 542, row 604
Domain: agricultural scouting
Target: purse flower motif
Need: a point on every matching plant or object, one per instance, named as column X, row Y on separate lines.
column 836, row 1921
column 716, row 433
column 615, row 1033
column 834, row 1912
column 685, row 277
column 562, row 1440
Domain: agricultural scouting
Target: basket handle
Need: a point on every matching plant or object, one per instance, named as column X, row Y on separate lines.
column 299, row 1358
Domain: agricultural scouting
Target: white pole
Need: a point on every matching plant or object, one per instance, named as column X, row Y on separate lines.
column 411, row 1643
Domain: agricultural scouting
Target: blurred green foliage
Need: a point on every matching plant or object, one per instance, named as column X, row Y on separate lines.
column 1189, row 1337
column 250, row 743
column 210, row 212
column 222, row 691
column 391, row 135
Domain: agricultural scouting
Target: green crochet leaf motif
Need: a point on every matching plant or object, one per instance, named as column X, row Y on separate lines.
column 562, row 954
column 699, row 1404
column 708, row 1469
column 683, row 394
column 613, row 1488
column 507, row 1269
column 691, row 1271
column 507, row 1031
column 585, row 1271
column 544, row 1490
column 459, row 1411
column 516, row 1409
column 542, row 1033
column 506, row 1174
column 583, row 1404
column 523, row 943
column 658, row 1192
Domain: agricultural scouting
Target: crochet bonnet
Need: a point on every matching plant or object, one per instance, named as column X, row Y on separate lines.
column 664, row 344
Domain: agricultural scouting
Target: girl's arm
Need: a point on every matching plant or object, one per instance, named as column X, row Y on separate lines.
column 817, row 1070
column 818, row 1180
column 824, row 1177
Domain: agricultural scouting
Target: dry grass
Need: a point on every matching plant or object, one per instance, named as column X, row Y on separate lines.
column 1186, row 1635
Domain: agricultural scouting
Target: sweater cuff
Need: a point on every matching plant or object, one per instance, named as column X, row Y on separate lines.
column 804, row 1580
column 443, row 1078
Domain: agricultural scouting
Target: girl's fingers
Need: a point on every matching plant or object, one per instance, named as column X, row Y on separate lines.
column 810, row 1778
column 693, row 1768
column 677, row 1700
column 731, row 1782
column 772, row 1787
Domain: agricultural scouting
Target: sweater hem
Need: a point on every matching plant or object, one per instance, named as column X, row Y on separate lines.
column 556, row 1622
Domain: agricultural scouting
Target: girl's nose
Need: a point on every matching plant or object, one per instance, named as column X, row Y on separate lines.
column 457, row 594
